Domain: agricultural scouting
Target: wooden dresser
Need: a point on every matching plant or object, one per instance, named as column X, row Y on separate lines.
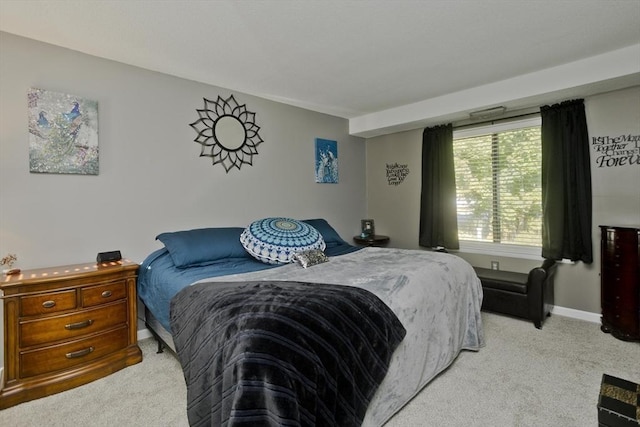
column 620, row 281
column 67, row 326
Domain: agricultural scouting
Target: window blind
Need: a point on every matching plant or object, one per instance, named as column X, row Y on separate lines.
column 499, row 183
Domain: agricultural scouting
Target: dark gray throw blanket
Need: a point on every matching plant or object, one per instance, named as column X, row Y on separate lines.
column 281, row 353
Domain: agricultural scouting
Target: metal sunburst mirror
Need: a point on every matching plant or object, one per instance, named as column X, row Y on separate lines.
column 227, row 132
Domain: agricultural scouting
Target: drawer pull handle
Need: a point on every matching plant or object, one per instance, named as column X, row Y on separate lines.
column 79, row 325
column 49, row 304
column 79, row 353
column 106, row 294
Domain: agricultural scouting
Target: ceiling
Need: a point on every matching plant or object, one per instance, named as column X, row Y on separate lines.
column 373, row 62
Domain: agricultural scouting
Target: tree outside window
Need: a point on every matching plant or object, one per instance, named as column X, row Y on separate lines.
column 499, row 186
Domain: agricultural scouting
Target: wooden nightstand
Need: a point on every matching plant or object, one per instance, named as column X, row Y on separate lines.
column 374, row 240
column 67, row 326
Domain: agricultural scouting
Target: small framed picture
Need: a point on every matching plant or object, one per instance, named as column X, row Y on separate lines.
column 368, row 228
column 326, row 161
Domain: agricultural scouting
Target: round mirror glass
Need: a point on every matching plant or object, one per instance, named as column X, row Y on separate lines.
column 230, row 132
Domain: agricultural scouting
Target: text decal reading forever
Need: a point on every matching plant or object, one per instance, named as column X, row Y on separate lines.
column 623, row 150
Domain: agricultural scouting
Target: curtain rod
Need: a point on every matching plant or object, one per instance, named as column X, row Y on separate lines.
column 494, row 121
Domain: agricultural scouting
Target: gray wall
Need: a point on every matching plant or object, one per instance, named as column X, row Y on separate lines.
column 616, row 195
column 151, row 176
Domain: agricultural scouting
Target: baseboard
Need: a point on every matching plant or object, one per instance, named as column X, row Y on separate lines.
column 576, row 314
column 143, row 334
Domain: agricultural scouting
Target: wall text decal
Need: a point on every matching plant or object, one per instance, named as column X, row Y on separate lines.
column 396, row 173
column 623, row 150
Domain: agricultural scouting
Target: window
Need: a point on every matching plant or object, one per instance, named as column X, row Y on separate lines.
column 499, row 187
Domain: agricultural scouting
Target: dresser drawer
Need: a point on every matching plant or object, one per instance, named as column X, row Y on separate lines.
column 625, row 319
column 619, row 259
column 619, row 284
column 67, row 355
column 102, row 294
column 72, row 325
column 51, row 302
column 619, row 248
column 618, row 302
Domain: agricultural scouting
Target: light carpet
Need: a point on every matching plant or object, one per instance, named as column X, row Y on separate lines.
column 522, row 377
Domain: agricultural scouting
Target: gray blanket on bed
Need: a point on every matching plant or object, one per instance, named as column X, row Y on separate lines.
column 272, row 353
column 437, row 297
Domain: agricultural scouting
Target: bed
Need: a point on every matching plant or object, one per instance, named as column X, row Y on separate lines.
column 433, row 297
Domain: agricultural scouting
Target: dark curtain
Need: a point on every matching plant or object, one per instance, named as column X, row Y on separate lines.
column 566, row 183
column 438, row 218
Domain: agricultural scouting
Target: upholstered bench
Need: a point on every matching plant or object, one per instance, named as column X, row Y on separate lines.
column 529, row 296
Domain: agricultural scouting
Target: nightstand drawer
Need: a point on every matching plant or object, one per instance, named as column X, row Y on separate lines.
column 68, row 326
column 101, row 294
column 51, row 302
column 64, row 356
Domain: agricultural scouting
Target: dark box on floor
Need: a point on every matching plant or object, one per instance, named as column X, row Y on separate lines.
column 619, row 403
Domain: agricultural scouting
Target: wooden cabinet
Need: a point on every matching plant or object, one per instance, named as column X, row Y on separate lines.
column 620, row 281
column 67, row 326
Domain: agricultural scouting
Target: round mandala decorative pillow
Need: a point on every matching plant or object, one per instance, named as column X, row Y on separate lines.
column 277, row 240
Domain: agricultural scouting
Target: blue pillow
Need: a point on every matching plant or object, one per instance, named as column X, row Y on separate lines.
column 276, row 240
column 203, row 246
column 330, row 236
